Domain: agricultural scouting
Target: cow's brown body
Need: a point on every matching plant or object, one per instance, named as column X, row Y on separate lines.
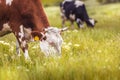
column 25, row 18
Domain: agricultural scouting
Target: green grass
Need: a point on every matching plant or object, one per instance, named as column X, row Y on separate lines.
column 50, row 2
column 87, row 54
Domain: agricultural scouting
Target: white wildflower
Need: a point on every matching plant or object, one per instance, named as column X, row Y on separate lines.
column 76, row 45
column 27, row 70
column 68, row 31
column 36, row 46
column 5, row 55
column 75, row 30
column 69, row 43
column 67, row 47
column 4, row 43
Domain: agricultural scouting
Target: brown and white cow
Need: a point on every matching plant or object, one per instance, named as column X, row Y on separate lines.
column 26, row 19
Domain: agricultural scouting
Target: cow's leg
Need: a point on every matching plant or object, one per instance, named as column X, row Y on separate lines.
column 18, row 48
column 22, row 42
column 63, row 20
column 62, row 17
column 72, row 24
column 79, row 23
column 24, row 48
column 63, row 23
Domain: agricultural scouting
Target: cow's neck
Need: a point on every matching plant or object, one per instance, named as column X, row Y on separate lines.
column 43, row 21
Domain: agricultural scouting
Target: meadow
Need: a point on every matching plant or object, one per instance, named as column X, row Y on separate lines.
column 87, row 54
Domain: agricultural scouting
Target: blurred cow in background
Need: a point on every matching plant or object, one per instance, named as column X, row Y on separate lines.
column 75, row 10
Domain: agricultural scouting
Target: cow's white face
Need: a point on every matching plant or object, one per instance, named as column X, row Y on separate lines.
column 92, row 21
column 52, row 45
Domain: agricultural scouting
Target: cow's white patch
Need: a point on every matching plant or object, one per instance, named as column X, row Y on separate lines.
column 26, row 55
column 81, row 25
column 27, row 34
column 9, row 2
column 92, row 21
column 21, row 33
column 18, row 48
column 23, row 43
column 6, row 27
column 53, row 42
column 72, row 16
column 78, row 3
column 66, row 1
column 78, row 20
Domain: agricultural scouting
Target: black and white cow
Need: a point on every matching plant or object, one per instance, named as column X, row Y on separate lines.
column 75, row 10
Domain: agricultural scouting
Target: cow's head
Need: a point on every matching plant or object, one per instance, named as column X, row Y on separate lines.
column 52, row 43
column 91, row 22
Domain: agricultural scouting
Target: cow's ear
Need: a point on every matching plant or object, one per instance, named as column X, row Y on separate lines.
column 37, row 35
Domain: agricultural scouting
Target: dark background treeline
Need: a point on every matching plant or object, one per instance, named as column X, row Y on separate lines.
column 108, row 1
column 56, row 2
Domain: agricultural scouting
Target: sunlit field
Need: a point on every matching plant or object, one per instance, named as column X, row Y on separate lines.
column 87, row 54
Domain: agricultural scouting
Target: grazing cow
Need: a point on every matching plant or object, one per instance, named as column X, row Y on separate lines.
column 74, row 10
column 26, row 19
